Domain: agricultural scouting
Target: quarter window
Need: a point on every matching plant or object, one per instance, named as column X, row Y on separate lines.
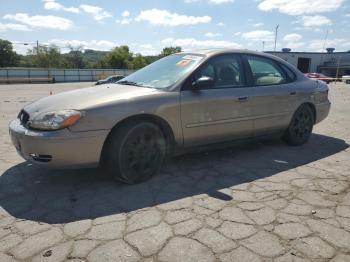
column 226, row 71
column 265, row 71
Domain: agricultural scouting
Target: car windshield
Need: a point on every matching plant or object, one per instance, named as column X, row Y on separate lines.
column 164, row 72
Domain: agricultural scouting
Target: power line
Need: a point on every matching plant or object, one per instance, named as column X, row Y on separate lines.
column 36, row 43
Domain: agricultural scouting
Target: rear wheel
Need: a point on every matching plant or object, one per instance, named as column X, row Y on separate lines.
column 300, row 128
column 136, row 152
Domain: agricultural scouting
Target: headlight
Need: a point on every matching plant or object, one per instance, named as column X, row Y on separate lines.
column 55, row 120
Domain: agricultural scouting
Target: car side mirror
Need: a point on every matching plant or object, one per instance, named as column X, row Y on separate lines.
column 203, row 82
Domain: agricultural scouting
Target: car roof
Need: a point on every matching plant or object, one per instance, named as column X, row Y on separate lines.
column 217, row 51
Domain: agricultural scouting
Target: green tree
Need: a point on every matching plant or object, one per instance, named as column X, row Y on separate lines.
column 170, row 50
column 8, row 57
column 93, row 58
column 75, row 59
column 139, row 61
column 46, row 56
column 119, row 57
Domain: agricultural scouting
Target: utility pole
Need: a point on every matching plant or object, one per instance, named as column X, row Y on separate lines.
column 337, row 73
column 263, row 45
column 276, row 32
column 324, row 45
column 37, row 47
column 325, row 40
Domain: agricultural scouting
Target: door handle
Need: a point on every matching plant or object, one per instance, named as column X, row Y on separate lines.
column 293, row 93
column 242, row 99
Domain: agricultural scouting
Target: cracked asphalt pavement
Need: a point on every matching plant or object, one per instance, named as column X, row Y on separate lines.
column 261, row 201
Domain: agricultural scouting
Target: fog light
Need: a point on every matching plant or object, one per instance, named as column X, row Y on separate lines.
column 41, row 158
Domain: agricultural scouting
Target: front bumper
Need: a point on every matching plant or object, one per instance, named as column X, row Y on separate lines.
column 322, row 111
column 58, row 149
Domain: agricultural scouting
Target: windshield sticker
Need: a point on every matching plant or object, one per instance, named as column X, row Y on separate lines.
column 192, row 57
column 183, row 62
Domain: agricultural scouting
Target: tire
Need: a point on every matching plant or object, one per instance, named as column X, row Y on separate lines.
column 300, row 128
column 135, row 152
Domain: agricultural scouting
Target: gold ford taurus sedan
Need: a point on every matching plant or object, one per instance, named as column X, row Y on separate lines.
column 181, row 101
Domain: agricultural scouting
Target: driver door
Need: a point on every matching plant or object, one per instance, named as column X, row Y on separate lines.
column 222, row 111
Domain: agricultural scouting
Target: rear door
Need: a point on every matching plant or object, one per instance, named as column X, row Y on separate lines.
column 222, row 111
column 274, row 94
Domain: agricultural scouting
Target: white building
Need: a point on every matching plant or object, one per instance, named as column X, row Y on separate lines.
column 330, row 63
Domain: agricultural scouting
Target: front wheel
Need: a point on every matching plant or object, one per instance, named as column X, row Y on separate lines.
column 300, row 128
column 136, row 152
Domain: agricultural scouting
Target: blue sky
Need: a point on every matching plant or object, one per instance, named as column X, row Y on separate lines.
column 149, row 25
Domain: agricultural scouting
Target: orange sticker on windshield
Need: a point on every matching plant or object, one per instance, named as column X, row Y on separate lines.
column 183, row 62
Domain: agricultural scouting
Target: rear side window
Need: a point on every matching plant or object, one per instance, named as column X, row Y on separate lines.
column 265, row 71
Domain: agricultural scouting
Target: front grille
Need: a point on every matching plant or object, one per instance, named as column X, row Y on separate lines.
column 23, row 117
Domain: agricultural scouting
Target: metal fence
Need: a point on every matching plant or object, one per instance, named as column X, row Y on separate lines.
column 59, row 75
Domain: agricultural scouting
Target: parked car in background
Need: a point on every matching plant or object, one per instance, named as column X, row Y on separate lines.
column 320, row 76
column 179, row 102
column 346, row 79
column 109, row 80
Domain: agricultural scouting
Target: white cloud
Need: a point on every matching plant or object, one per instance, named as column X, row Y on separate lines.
column 125, row 18
column 258, row 24
column 124, row 21
column 218, row 2
column 164, row 17
column 41, row 21
column 146, row 46
column 292, row 38
column 13, row 27
column 215, row 2
column 220, row 24
column 212, row 35
column 97, row 12
column 300, row 7
column 259, row 35
column 295, row 45
column 237, row 33
column 102, row 45
column 126, row 13
column 338, row 43
column 194, row 43
column 53, row 5
column 145, row 49
column 20, row 48
column 315, row 21
column 293, row 41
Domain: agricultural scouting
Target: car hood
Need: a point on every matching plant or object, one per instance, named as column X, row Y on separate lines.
column 86, row 98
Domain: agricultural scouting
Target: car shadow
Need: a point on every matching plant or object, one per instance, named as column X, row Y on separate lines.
column 32, row 193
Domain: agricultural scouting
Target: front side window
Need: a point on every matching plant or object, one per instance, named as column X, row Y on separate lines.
column 226, row 71
column 291, row 75
column 164, row 72
column 265, row 71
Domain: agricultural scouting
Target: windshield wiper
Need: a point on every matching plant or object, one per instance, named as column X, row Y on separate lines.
column 129, row 83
